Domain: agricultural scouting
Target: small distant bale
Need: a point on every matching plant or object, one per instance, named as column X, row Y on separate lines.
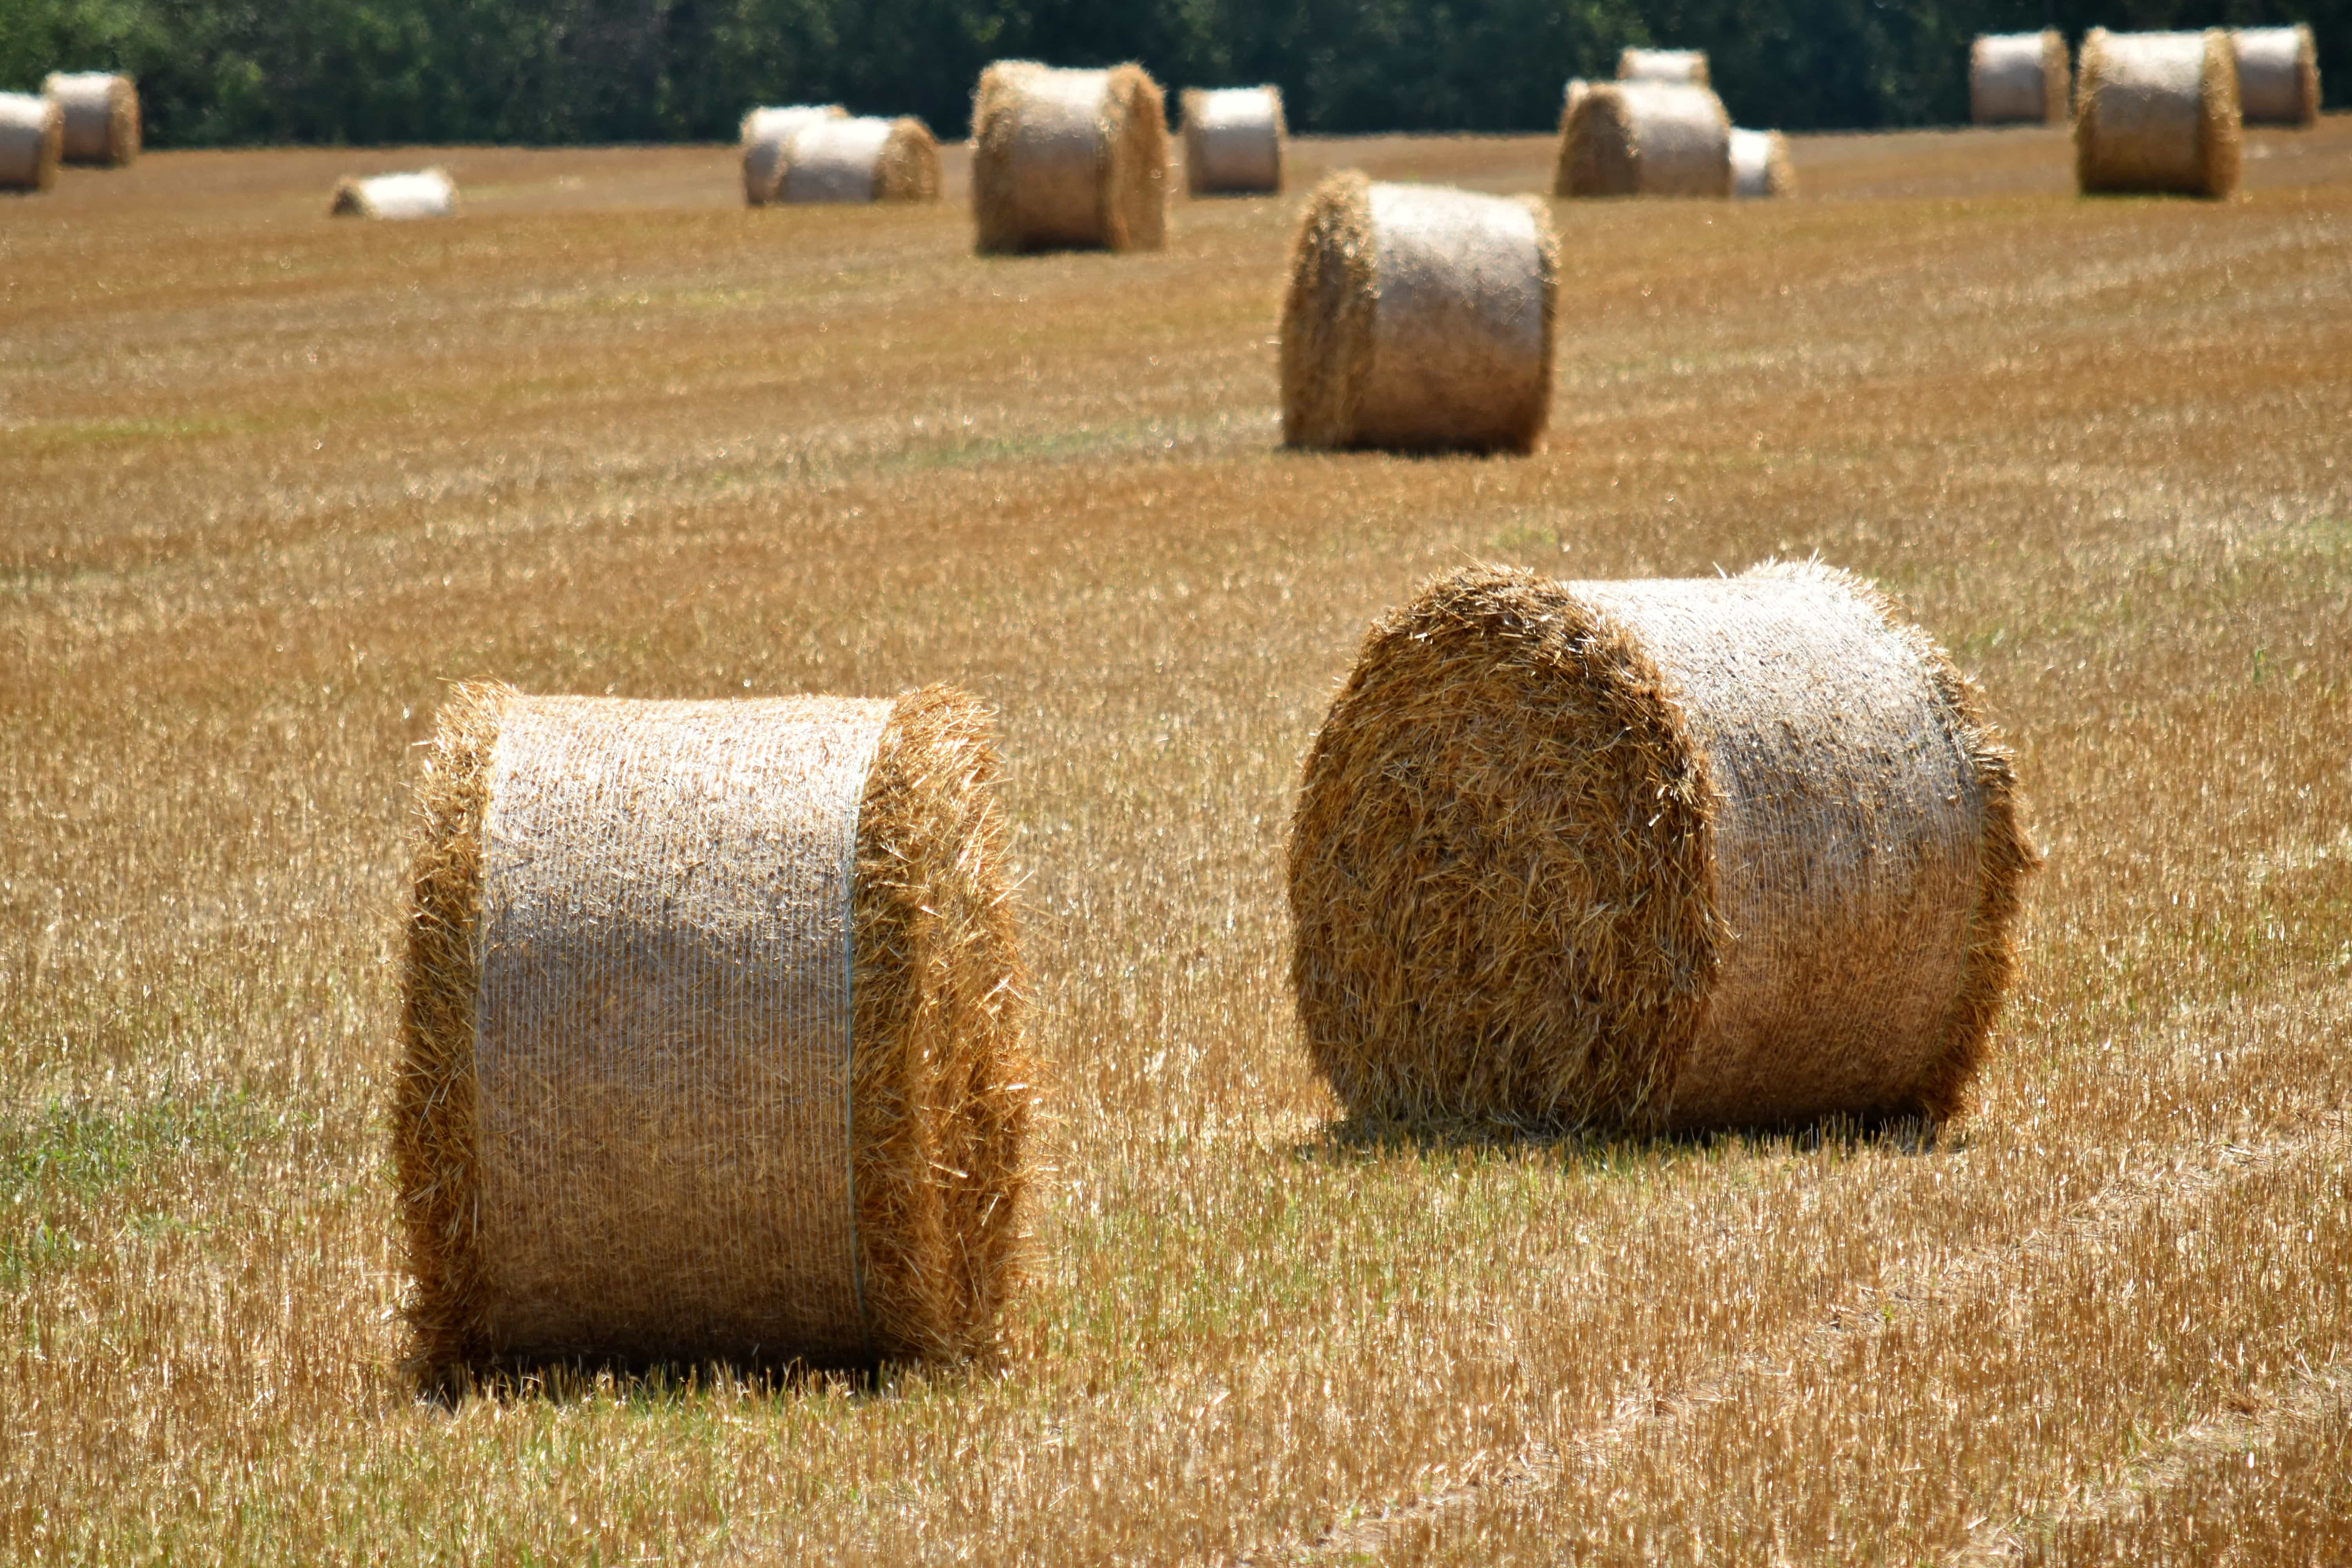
column 423, row 192
column 2018, row 79
column 102, row 116
column 764, row 133
column 1419, row 317
column 1645, row 139
column 2278, row 75
column 866, row 159
column 32, row 142
column 2156, row 112
column 1232, row 141
column 1669, row 854
column 712, row 1033
column 1068, row 159
column 1687, row 66
column 1760, row 165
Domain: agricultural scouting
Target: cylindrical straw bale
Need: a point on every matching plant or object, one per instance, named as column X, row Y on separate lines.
column 1068, row 159
column 862, row 160
column 764, row 133
column 2157, row 111
column 425, row 193
column 1669, row 854
column 2278, row 75
column 1645, row 139
column 32, row 141
column 102, row 116
column 712, row 1033
column 1419, row 317
column 1760, row 165
column 1686, row 66
column 2018, row 79
column 1232, row 141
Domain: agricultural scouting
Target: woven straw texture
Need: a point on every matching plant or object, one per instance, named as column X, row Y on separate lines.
column 2018, row 79
column 32, row 142
column 1419, row 317
column 1687, row 66
column 2156, row 112
column 1645, row 139
column 861, row 160
column 764, row 133
column 1760, row 165
column 428, row 193
column 1068, row 159
column 102, row 116
column 1667, row 854
column 2278, row 75
column 1232, row 141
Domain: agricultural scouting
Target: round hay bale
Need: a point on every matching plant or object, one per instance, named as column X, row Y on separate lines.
column 1687, row 66
column 1667, row 854
column 2018, row 79
column 1760, row 165
column 1576, row 87
column 1068, row 159
column 102, row 116
column 2278, row 75
column 1645, row 139
column 1418, row 317
column 32, row 142
column 764, row 133
column 865, row 159
column 1232, row 141
column 424, row 193
column 712, row 1033
column 2156, row 112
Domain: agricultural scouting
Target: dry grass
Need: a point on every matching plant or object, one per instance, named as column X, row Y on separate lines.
column 271, row 481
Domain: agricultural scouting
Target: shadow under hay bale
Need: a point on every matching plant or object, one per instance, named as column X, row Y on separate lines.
column 2278, row 75
column 425, row 193
column 1068, row 160
column 32, row 142
column 1419, row 318
column 1645, row 139
column 2018, row 79
column 712, row 1034
column 764, row 133
column 1760, row 166
column 1687, row 66
column 1232, row 141
column 1662, row 855
column 101, row 111
column 864, row 159
column 2156, row 112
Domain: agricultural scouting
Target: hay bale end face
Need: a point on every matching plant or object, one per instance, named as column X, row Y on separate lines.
column 712, row 1033
column 764, row 133
column 1419, row 318
column 1066, row 159
column 1687, row 66
column 1645, row 139
column 425, row 193
column 2018, row 79
column 32, row 142
column 865, row 159
column 1668, row 854
column 100, row 112
column 1232, row 141
column 2156, row 112
column 2278, row 75
column 1761, row 165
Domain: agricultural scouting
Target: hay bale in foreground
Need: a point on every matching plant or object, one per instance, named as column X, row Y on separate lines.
column 1665, row 854
column 866, row 159
column 1232, row 141
column 32, row 142
column 2278, row 75
column 1645, row 139
column 2156, row 112
column 2018, row 79
column 1418, row 317
column 764, row 133
column 424, row 193
column 1068, row 159
column 712, row 1033
column 1760, row 165
column 1687, row 66
column 100, row 110
column 1572, row 95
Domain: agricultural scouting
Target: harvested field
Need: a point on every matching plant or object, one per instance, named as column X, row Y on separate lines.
column 271, row 481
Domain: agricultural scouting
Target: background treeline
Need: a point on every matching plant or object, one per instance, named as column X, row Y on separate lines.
column 214, row 72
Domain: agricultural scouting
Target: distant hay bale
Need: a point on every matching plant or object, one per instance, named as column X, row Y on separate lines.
column 712, row 1033
column 1232, row 141
column 2278, row 75
column 1575, row 91
column 865, row 159
column 1068, row 159
column 1687, row 66
column 2018, row 79
column 425, row 193
column 1760, row 165
column 1645, row 139
column 1419, row 317
column 764, row 133
column 102, row 116
column 32, row 142
column 2156, row 112
column 1668, row 854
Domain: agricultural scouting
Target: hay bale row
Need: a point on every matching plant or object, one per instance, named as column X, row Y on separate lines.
column 866, row 159
column 32, row 142
column 1068, row 159
column 1760, row 165
column 2278, row 75
column 1670, row 854
column 712, row 1033
column 1686, row 67
column 1419, row 317
column 1645, row 139
column 765, row 132
column 1232, row 141
column 2018, row 79
column 2156, row 112
column 100, row 110
column 422, row 192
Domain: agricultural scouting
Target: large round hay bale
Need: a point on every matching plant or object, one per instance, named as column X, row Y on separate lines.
column 764, row 133
column 1687, row 66
column 1645, row 139
column 1232, row 141
column 100, row 110
column 712, row 1033
column 1418, row 317
column 1667, row 854
column 2018, row 79
column 1068, row 159
column 866, row 159
column 2278, row 75
column 423, row 192
column 32, row 142
column 1761, row 165
column 2156, row 112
